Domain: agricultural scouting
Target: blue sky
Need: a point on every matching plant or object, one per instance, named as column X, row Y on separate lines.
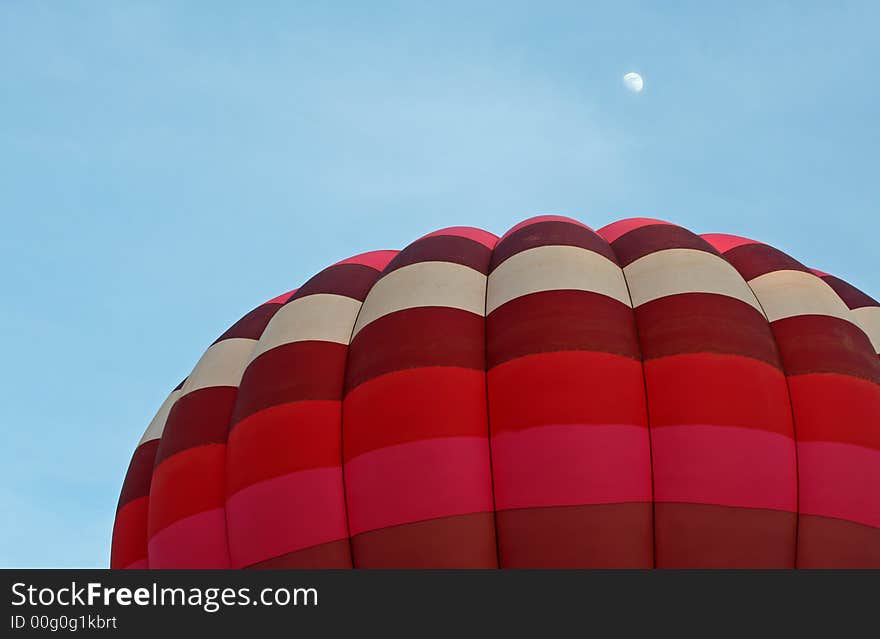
column 164, row 168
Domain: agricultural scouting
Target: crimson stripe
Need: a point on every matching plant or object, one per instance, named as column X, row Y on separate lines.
column 196, row 419
column 753, row 260
column 251, row 326
column 350, row 280
column 851, row 296
column 414, row 338
column 656, row 237
column 824, row 344
column 443, row 248
column 297, row 371
column 140, row 471
column 551, row 233
column 704, row 323
column 560, row 321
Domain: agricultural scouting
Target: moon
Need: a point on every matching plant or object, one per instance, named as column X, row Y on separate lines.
column 633, row 81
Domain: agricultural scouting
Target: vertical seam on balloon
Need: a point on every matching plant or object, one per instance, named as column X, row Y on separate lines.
column 342, row 416
column 647, row 413
column 797, row 477
column 488, row 417
column 229, row 426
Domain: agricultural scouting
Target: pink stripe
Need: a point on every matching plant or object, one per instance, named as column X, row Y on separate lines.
column 374, row 259
column 840, row 480
column 197, row 541
column 140, row 564
column 723, row 242
column 418, row 480
column 281, row 299
column 820, row 273
column 724, row 465
column 478, row 235
column 622, row 227
column 543, row 218
column 284, row 514
column 571, row 464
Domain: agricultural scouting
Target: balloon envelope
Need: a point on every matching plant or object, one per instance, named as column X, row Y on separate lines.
column 636, row 396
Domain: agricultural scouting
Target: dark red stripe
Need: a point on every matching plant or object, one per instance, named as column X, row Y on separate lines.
column 553, row 233
column 704, row 323
column 290, row 373
column 752, row 260
column 656, row 237
column 414, row 338
column 710, row 536
column 567, row 537
column 460, row 541
column 140, row 472
column 443, row 248
column 198, row 418
column 332, row 555
column 824, row 542
column 350, row 280
column 564, row 320
column 824, row 344
column 851, row 296
column 252, row 325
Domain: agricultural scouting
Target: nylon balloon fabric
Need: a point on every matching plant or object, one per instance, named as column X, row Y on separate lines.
column 634, row 397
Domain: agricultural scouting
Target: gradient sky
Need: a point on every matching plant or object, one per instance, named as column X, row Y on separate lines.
column 164, row 169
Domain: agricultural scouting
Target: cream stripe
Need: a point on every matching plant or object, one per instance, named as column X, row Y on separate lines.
column 677, row 271
column 221, row 365
column 425, row 284
column 320, row 317
column 790, row 293
column 555, row 268
column 157, row 425
column 868, row 317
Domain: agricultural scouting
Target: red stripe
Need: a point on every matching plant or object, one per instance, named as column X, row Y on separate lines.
column 283, row 439
column 130, row 533
column 717, row 389
column 187, row 483
column 414, row 405
column 836, row 408
column 576, row 387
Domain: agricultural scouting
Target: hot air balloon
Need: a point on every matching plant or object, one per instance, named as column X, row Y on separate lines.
column 633, row 397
